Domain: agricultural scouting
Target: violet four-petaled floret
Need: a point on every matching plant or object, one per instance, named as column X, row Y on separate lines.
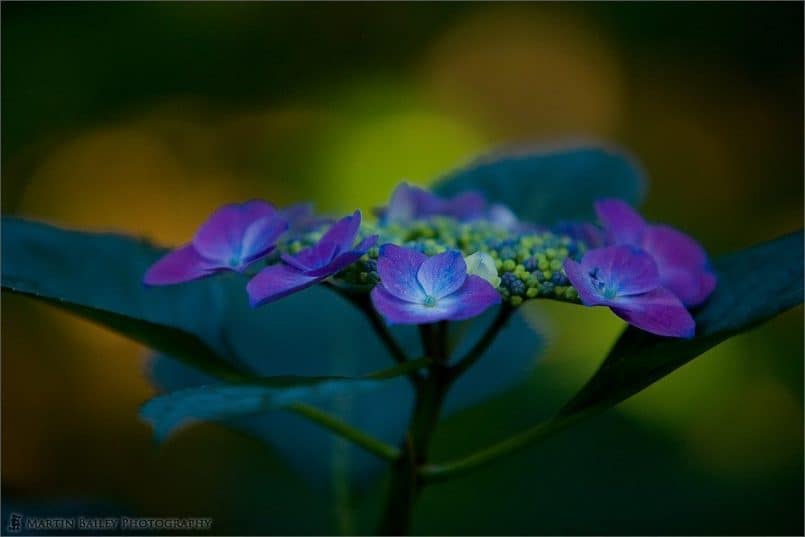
column 332, row 253
column 232, row 238
column 416, row 289
column 681, row 261
column 627, row 280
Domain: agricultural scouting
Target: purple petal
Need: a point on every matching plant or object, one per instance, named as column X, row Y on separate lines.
column 397, row 311
column 180, row 265
column 366, row 244
column 465, row 206
column 401, row 206
column 409, row 202
column 275, row 282
column 296, row 213
column 707, row 284
column 260, row 238
column 622, row 223
column 340, row 262
column 583, row 284
column 302, row 218
column 659, row 312
column 315, row 257
column 682, row 263
column 343, row 260
column 442, row 274
column 397, row 268
column 220, row 236
column 343, row 232
column 622, row 269
column 471, row 299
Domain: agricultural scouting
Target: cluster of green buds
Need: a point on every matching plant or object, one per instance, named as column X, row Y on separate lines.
column 521, row 264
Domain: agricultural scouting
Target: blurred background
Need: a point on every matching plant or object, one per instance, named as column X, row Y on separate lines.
column 143, row 117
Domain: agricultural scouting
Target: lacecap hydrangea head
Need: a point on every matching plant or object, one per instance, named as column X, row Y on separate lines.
column 485, row 246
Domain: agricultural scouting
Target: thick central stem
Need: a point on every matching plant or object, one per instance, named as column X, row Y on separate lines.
column 406, row 479
column 406, row 484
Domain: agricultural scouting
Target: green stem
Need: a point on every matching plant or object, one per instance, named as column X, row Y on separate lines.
column 406, row 483
column 385, row 336
column 358, row 437
column 483, row 344
column 403, row 369
column 361, row 301
column 339, row 427
column 439, row 472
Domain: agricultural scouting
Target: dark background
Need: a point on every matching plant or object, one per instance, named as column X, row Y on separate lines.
column 144, row 117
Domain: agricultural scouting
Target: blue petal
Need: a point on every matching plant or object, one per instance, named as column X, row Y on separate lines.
column 275, row 282
column 180, row 265
column 397, row 268
column 343, row 232
column 397, row 311
column 474, row 297
column 622, row 223
column 622, row 269
column 220, row 237
column 659, row 312
column 442, row 274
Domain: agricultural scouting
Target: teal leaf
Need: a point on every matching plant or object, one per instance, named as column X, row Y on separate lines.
column 753, row 286
column 222, row 401
column 549, row 186
column 98, row 277
column 205, row 331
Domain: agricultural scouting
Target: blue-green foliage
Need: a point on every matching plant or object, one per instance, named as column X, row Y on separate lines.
column 314, row 333
column 551, row 186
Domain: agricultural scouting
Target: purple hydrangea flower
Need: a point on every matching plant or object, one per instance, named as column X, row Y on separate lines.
column 681, row 261
column 628, row 281
column 416, row 289
column 330, row 255
column 302, row 218
column 232, row 238
column 410, row 202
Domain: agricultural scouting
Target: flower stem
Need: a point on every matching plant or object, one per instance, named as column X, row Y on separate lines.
column 410, row 472
column 406, row 483
column 439, row 472
column 482, row 345
column 361, row 301
column 358, row 437
column 341, row 428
